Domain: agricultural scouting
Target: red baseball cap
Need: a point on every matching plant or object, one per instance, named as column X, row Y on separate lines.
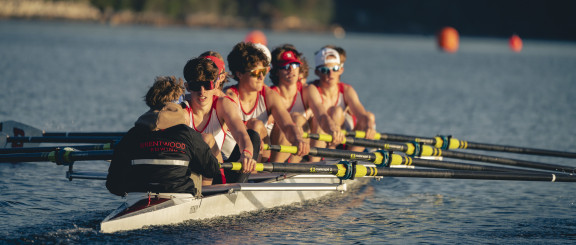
column 288, row 57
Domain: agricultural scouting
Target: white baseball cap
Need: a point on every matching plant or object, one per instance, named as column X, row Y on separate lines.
column 327, row 55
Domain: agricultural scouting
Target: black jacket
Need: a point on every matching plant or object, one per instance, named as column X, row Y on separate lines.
column 159, row 161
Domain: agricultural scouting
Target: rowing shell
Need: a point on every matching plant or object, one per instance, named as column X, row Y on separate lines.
column 141, row 209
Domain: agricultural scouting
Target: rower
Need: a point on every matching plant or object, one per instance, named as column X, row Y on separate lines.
column 257, row 101
column 161, row 154
column 340, row 99
column 301, row 102
column 218, row 116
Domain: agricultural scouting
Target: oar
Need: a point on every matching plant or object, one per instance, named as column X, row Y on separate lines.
column 387, row 159
column 64, row 156
column 346, row 170
column 108, row 146
column 416, row 149
column 448, row 142
column 14, row 128
column 375, row 158
column 63, row 139
column 11, row 131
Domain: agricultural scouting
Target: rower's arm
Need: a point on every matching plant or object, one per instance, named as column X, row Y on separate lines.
column 284, row 120
column 228, row 110
column 313, row 99
column 365, row 120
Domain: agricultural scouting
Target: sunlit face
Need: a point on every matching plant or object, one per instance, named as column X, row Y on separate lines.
column 330, row 72
column 202, row 95
column 253, row 80
column 289, row 73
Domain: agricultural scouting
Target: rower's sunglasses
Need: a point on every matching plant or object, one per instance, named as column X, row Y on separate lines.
column 290, row 66
column 197, row 86
column 326, row 70
column 258, row 72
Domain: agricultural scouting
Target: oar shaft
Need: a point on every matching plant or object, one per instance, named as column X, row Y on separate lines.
column 64, row 139
column 519, row 150
column 506, row 161
column 462, row 166
column 341, row 170
column 108, row 146
column 60, row 157
column 453, row 143
column 69, row 134
column 455, row 174
column 375, row 158
column 426, row 150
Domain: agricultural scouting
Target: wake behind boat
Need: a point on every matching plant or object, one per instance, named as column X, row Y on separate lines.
column 266, row 191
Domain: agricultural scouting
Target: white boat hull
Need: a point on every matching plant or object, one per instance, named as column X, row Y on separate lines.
column 239, row 198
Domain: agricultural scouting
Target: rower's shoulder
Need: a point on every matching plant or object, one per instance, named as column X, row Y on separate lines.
column 230, row 91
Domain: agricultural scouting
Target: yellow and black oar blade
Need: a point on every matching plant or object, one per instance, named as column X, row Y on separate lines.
column 346, row 170
column 450, row 143
column 415, row 149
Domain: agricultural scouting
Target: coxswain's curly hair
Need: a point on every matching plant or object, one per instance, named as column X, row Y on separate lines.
column 200, row 69
column 277, row 54
column 244, row 57
column 165, row 89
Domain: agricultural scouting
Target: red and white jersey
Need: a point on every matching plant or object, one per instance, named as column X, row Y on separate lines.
column 297, row 104
column 259, row 111
column 350, row 121
column 224, row 139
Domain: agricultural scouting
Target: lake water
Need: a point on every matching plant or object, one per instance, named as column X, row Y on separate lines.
column 89, row 77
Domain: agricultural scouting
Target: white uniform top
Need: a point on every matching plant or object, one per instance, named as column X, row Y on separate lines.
column 349, row 120
column 259, row 111
column 297, row 103
column 224, row 139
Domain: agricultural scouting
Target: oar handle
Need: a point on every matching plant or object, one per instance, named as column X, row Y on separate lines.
column 320, row 137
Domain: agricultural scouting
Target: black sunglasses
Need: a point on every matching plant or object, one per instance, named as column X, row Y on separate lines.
column 197, row 86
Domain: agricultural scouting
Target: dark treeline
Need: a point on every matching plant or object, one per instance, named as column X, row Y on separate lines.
column 553, row 19
column 272, row 14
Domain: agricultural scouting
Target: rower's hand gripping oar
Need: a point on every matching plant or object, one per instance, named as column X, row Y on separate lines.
column 451, row 143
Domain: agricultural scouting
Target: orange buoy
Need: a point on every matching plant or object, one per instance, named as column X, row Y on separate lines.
column 515, row 43
column 448, row 39
column 256, row 36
